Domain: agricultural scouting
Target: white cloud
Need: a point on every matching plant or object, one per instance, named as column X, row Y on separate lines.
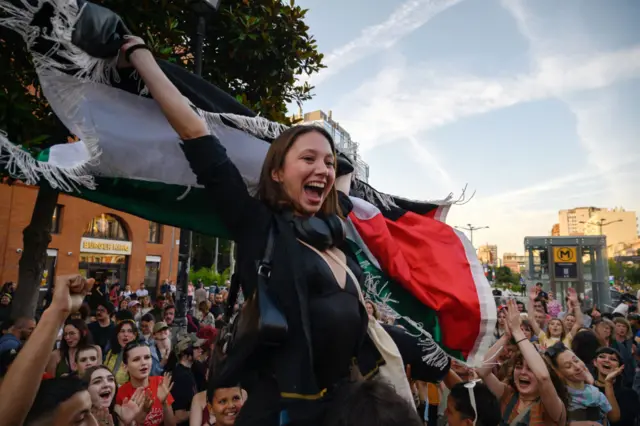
column 402, row 101
column 407, row 18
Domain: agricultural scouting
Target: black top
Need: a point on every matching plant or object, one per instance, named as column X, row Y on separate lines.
column 336, row 318
column 306, row 293
column 184, row 389
column 102, row 335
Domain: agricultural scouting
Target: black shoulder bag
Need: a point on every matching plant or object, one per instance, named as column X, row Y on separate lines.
column 258, row 323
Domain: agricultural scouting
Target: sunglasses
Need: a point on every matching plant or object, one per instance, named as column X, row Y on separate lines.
column 555, row 350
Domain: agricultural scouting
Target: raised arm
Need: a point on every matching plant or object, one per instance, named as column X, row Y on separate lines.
column 552, row 402
column 229, row 198
column 20, row 386
column 183, row 119
column 577, row 312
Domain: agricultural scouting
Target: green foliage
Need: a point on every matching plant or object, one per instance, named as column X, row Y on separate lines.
column 209, row 276
column 255, row 50
column 627, row 272
column 505, row 275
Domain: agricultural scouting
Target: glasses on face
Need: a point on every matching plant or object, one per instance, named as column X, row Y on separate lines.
column 555, row 350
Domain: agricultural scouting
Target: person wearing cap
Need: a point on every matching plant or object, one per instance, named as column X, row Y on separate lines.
column 200, row 366
column 162, row 343
column 187, row 350
column 134, row 308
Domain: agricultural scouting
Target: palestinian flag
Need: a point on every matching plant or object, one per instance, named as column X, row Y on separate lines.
column 129, row 158
column 433, row 263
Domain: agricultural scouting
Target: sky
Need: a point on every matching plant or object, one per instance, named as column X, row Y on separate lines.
column 533, row 105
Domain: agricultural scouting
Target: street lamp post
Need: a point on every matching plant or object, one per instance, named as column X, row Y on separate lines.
column 471, row 228
column 202, row 9
column 602, row 223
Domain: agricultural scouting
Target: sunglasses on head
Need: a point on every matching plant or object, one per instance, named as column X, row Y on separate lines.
column 555, row 350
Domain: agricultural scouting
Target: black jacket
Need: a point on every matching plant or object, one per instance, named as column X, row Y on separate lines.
column 287, row 369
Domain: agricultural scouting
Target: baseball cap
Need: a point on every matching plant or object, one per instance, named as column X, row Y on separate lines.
column 133, row 303
column 159, row 326
column 186, row 341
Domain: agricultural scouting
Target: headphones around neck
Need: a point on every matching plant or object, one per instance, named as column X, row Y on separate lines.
column 321, row 232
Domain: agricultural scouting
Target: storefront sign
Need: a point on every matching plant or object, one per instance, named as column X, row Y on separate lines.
column 96, row 245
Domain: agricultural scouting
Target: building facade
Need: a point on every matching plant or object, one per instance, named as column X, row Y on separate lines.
column 89, row 239
column 618, row 225
column 571, row 222
column 488, row 254
column 340, row 136
column 555, row 230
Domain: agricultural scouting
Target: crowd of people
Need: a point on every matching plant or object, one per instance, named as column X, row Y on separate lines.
column 305, row 348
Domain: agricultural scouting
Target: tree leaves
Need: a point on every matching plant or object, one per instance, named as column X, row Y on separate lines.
column 255, row 50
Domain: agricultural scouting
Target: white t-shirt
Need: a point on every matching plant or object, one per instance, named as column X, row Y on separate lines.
column 142, row 292
column 622, row 308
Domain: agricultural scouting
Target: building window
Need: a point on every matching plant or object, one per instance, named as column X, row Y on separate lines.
column 106, row 227
column 155, row 233
column 151, row 275
column 55, row 220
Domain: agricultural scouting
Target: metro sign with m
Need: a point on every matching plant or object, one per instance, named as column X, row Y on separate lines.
column 565, row 254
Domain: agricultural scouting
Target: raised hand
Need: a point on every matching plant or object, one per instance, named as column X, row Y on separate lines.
column 514, row 320
column 165, row 387
column 131, row 408
column 533, row 293
column 611, row 377
column 69, row 292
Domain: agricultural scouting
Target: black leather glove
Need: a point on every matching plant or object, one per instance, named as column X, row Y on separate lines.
column 99, row 31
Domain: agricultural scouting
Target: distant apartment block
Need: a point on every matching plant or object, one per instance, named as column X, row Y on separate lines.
column 341, row 137
column 488, row 254
column 518, row 263
column 618, row 225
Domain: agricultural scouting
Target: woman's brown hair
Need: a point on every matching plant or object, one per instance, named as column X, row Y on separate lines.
column 558, row 384
column 270, row 191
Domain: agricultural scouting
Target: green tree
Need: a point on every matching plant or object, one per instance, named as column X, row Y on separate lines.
column 255, row 50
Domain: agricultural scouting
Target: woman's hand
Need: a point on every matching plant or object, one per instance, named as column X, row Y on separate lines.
column 102, row 416
column 514, row 320
column 130, row 42
column 533, row 293
column 131, row 408
column 165, row 387
column 611, row 377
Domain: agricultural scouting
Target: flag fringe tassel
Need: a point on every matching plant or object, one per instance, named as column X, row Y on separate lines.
column 22, row 166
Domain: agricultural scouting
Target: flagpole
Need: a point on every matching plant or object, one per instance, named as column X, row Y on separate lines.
column 201, row 8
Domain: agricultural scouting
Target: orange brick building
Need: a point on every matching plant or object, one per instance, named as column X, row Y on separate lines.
column 89, row 238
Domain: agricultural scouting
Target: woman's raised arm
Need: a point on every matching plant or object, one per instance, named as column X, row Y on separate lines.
column 183, row 119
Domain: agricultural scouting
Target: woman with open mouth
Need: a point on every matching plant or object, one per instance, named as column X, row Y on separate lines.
column 103, row 388
column 607, row 361
column 126, row 331
column 556, row 331
column 587, row 404
column 75, row 334
column 291, row 241
column 136, row 357
column 533, row 393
